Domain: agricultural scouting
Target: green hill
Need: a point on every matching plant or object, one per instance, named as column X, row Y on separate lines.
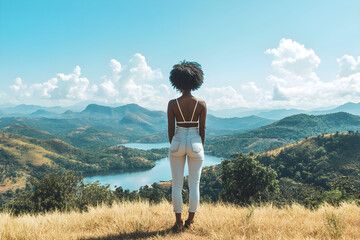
column 317, row 160
column 26, row 130
column 282, row 132
column 22, row 157
column 317, row 169
column 324, row 168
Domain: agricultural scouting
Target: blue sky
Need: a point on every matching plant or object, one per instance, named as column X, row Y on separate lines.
column 274, row 54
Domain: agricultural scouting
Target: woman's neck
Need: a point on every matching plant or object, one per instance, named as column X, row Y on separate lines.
column 186, row 93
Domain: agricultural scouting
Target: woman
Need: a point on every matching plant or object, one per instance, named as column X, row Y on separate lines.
column 188, row 139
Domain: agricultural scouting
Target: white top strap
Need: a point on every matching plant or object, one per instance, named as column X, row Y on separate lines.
column 194, row 110
column 180, row 110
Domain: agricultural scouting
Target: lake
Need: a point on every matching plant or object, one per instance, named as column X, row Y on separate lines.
column 134, row 180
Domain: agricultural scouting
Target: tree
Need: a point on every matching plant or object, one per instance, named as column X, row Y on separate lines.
column 60, row 191
column 246, row 181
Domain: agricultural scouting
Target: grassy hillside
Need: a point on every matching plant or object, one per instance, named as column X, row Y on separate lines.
column 22, row 157
column 313, row 170
column 139, row 220
column 282, row 132
column 320, row 161
column 26, row 130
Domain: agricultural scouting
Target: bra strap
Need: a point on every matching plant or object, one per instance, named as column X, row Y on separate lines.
column 194, row 110
column 180, row 110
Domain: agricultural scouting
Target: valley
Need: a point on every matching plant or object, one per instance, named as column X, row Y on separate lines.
column 87, row 142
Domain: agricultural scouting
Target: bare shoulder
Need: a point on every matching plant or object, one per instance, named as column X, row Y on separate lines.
column 171, row 103
column 201, row 103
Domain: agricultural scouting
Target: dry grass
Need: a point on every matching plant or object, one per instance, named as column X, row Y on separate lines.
column 139, row 220
column 277, row 151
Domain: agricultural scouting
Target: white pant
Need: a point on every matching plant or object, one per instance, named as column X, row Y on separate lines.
column 186, row 142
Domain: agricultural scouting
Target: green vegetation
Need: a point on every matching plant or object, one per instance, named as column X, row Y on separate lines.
column 59, row 191
column 246, row 181
column 325, row 168
column 282, row 132
column 322, row 168
column 23, row 157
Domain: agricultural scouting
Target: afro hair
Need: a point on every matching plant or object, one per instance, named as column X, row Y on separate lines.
column 186, row 76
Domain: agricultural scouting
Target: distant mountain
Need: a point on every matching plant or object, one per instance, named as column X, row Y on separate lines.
column 277, row 114
column 28, row 109
column 132, row 121
column 6, row 105
column 157, row 120
column 68, row 112
column 235, row 112
column 284, row 131
column 353, row 108
column 114, row 111
column 125, row 123
column 236, row 123
column 43, row 113
column 112, row 125
column 99, row 111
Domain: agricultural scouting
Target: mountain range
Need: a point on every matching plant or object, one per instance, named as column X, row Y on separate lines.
column 23, row 110
column 282, row 132
column 277, row 114
column 111, row 125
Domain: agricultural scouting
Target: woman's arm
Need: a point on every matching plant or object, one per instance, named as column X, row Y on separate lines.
column 171, row 121
column 202, row 122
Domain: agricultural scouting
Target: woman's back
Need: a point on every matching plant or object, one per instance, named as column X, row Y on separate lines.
column 187, row 111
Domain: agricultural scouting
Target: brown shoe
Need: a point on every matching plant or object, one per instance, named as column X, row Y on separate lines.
column 188, row 224
column 177, row 227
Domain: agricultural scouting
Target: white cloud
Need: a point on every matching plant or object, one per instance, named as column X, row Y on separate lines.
column 64, row 86
column 278, row 94
column 38, row 89
column 108, row 89
column 222, row 97
column 251, row 86
column 140, row 71
column 115, row 66
column 348, row 65
column 134, row 85
column 299, row 86
column 72, row 86
column 18, row 86
column 292, row 58
column 44, row 89
column 296, row 84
